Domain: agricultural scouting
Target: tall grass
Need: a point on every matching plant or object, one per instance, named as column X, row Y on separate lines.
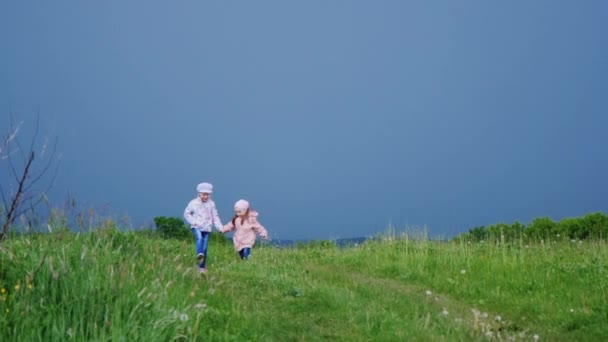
column 112, row 285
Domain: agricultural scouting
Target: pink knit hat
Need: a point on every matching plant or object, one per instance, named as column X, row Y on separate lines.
column 241, row 204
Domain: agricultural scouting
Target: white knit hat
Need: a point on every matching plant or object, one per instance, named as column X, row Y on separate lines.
column 204, row 187
column 241, row 205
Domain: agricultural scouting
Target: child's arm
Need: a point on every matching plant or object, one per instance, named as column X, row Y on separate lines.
column 216, row 218
column 227, row 228
column 257, row 226
column 189, row 215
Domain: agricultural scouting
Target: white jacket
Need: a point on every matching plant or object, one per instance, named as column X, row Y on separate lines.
column 202, row 215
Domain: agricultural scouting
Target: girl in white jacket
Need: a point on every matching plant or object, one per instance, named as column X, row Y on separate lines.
column 202, row 215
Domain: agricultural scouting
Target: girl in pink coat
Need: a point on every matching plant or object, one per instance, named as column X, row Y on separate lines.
column 245, row 222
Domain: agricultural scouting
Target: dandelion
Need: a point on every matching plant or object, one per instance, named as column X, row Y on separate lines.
column 444, row 312
column 484, row 315
column 200, row 306
column 498, row 318
column 3, row 291
column 571, row 310
column 183, row 317
column 463, row 271
column 428, row 293
column 475, row 312
column 7, row 310
column 29, row 286
column 535, row 337
column 17, row 287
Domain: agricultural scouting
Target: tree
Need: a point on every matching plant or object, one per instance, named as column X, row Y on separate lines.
column 26, row 169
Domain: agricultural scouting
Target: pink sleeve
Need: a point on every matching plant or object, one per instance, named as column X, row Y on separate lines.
column 256, row 225
column 228, row 227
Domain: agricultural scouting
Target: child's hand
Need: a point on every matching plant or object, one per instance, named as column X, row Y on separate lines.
column 265, row 236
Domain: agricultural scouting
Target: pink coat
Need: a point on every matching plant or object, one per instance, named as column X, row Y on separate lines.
column 244, row 235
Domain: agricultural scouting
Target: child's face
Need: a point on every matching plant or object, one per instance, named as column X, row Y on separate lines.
column 239, row 212
column 204, row 196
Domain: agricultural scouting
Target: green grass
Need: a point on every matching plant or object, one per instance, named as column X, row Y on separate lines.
column 108, row 285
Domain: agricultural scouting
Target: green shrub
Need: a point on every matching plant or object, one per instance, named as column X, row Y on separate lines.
column 175, row 228
column 590, row 226
column 596, row 225
column 542, row 227
column 172, row 228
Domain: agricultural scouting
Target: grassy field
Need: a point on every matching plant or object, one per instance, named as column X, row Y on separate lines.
column 108, row 285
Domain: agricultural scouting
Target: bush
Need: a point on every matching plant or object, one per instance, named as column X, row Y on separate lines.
column 590, row 226
column 175, row 228
column 542, row 228
column 596, row 225
column 172, row 228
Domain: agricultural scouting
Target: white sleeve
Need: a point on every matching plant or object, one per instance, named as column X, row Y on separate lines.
column 189, row 215
column 216, row 218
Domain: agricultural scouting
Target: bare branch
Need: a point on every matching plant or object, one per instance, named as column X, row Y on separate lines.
column 4, row 203
column 16, row 199
column 24, row 198
column 46, row 167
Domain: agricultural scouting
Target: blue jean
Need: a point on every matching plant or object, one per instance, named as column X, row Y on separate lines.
column 244, row 253
column 201, row 242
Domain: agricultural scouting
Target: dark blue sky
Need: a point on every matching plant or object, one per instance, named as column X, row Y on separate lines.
column 332, row 117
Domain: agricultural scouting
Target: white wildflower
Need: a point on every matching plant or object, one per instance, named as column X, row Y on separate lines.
column 535, row 338
column 475, row 312
column 498, row 318
column 200, row 306
column 444, row 312
column 183, row 317
column 463, row 271
column 571, row 310
column 428, row 293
